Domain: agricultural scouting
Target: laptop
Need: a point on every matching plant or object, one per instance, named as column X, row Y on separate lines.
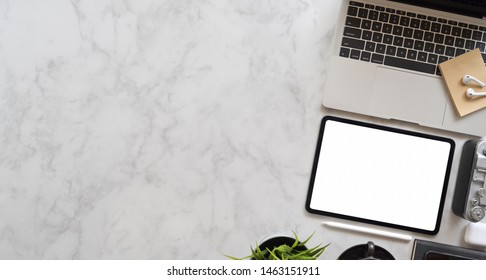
column 385, row 56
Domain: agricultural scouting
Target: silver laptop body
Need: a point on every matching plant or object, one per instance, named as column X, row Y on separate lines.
column 392, row 78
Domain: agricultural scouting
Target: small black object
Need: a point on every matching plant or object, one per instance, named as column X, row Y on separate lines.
column 368, row 251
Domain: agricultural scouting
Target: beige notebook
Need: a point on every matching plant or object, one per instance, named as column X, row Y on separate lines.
column 453, row 71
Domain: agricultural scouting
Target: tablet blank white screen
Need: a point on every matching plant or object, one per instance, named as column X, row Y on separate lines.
column 380, row 175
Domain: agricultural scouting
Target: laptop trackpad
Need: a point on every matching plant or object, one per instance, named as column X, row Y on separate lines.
column 409, row 97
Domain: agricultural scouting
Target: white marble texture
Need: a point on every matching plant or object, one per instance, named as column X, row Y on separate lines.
column 160, row 129
column 155, row 129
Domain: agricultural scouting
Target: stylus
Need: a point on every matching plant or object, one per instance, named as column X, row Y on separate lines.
column 383, row 233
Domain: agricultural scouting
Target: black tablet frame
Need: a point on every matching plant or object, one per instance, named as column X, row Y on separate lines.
column 390, row 129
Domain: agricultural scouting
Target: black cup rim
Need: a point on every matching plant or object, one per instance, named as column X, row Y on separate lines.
column 380, row 253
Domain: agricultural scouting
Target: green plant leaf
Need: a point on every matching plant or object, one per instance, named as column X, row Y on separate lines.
column 235, row 258
column 308, row 238
column 296, row 239
column 258, row 254
column 286, row 252
column 273, row 256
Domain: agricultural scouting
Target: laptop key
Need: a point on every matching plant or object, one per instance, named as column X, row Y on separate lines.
column 446, row 29
column 357, row 4
column 408, row 43
column 352, row 32
column 355, row 54
column 397, row 30
column 394, row 19
column 366, row 24
column 481, row 46
column 409, row 65
column 373, row 15
column 411, row 54
column 376, row 26
column 450, row 51
column 352, row 11
column 470, row 45
column 459, row 52
column 363, row 13
column 353, row 43
column 442, row 59
column 439, row 39
column 377, row 58
column 415, row 23
column 419, row 45
column 418, row 34
column 384, row 17
column 477, row 35
column 367, row 35
column 380, row 48
column 404, row 21
column 401, row 52
column 449, row 40
column 456, row 31
column 370, row 46
column 388, row 39
column 353, row 22
column 433, row 58
column 460, row 43
column 429, row 36
column 391, row 50
column 366, row 56
column 397, row 41
column 466, row 33
column 387, row 28
column 425, row 25
column 408, row 32
column 439, row 49
column 377, row 37
column 344, row 52
column 422, row 57
column 435, row 27
column 429, row 47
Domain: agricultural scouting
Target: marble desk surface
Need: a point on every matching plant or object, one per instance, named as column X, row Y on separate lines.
column 166, row 129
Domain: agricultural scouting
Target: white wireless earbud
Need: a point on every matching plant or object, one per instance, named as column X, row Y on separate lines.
column 471, row 93
column 468, row 79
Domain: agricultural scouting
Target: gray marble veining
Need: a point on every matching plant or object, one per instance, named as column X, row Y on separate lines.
column 159, row 129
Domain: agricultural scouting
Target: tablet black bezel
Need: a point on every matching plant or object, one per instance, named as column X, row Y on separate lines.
column 390, row 129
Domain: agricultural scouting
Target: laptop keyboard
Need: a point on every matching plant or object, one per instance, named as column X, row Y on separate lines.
column 406, row 40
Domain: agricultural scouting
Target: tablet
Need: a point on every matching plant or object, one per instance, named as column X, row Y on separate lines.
column 380, row 175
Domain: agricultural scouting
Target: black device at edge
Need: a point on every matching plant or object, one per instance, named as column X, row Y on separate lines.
column 472, row 8
column 388, row 129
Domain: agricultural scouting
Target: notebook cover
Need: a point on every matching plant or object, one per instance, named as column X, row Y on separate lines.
column 453, row 71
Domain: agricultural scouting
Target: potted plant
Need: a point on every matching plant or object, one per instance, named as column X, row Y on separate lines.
column 284, row 248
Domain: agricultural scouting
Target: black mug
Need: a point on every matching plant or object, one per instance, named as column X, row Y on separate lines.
column 368, row 251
